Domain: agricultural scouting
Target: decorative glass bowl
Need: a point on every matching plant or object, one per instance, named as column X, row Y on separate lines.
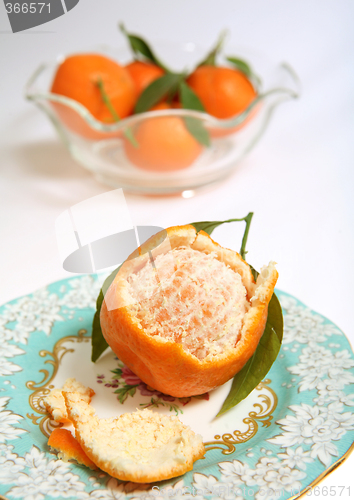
column 104, row 148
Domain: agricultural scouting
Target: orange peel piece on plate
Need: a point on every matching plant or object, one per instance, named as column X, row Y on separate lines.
column 68, row 447
column 141, row 447
column 55, row 404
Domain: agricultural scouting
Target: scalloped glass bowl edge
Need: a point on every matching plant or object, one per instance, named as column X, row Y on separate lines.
column 104, row 155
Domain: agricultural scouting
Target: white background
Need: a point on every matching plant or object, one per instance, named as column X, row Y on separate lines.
column 298, row 180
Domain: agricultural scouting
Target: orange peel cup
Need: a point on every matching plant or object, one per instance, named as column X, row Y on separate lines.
column 163, row 363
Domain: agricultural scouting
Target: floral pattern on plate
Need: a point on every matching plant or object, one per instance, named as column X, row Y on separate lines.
column 125, row 383
column 312, row 426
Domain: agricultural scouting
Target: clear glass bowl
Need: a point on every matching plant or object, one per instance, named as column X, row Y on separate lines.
column 102, row 149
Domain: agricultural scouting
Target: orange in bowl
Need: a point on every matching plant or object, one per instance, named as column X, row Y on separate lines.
column 224, row 92
column 163, row 143
column 78, row 77
column 188, row 321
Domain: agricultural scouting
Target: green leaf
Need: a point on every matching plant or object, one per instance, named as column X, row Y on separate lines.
column 189, row 98
column 210, row 59
column 254, row 272
column 98, row 342
column 209, row 226
column 166, row 85
column 141, row 48
column 254, row 370
column 196, row 129
column 246, row 69
column 275, row 317
column 241, row 65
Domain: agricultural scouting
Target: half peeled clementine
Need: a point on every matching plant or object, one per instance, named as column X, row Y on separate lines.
column 184, row 313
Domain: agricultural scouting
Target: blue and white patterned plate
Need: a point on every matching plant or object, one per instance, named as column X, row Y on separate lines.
column 290, row 431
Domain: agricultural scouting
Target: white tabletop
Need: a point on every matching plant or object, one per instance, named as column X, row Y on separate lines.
column 298, row 181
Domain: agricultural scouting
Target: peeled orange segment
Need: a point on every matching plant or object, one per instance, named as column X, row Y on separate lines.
column 55, row 405
column 191, row 298
column 68, row 447
column 188, row 321
column 141, row 447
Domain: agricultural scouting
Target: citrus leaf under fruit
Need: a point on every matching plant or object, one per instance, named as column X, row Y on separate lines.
column 254, row 370
column 98, row 342
column 260, row 363
column 275, row 317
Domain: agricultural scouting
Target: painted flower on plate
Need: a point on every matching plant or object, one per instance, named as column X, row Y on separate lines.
column 316, row 363
column 281, row 479
column 303, row 325
column 46, row 477
column 237, row 473
column 9, row 351
column 83, row 292
column 316, row 426
column 295, row 457
column 8, row 420
column 115, row 490
column 36, row 312
column 10, row 464
column 129, row 377
column 209, row 486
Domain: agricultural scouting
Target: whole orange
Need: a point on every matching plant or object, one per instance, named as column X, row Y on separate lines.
column 143, row 74
column 224, row 92
column 77, row 78
column 164, row 144
column 190, row 320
